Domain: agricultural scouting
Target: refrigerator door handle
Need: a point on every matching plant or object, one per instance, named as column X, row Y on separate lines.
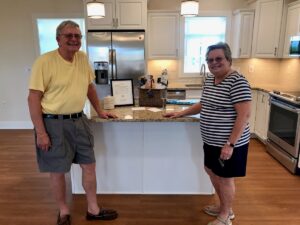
column 110, row 63
column 114, row 61
column 110, row 56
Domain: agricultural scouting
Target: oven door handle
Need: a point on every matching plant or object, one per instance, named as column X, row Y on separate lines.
column 285, row 106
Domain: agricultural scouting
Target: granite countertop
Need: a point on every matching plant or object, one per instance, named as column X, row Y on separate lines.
column 261, row 89
column 131, row 114
column 183, row 86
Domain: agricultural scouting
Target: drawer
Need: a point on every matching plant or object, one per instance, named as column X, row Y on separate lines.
column 176, row 94
column 193, row 94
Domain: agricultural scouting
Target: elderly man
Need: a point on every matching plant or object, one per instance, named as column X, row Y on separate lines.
column 59, row 84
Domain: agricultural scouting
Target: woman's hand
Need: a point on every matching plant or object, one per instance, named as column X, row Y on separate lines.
column 172, row 114
column 226, row 152
column 106, row 115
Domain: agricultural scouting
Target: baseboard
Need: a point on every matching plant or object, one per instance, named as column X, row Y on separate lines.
column 16, row 125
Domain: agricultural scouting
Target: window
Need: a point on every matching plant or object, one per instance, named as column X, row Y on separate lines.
column 199, row 33
column 46, row 31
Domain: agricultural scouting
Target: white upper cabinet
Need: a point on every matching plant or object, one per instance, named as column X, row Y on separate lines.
column 120, row 14
column 292, row 26
column 266, row 37
column 163, row 35
column 243, row 20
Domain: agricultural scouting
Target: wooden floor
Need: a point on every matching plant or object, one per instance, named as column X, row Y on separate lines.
column 268, row 195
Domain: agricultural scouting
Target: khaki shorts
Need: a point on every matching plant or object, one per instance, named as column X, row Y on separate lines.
column 71, row 142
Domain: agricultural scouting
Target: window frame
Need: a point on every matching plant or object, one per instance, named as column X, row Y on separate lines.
column 226, row 14
column 66, row 16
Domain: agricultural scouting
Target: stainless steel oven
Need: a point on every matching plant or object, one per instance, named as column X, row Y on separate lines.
column 284, row 130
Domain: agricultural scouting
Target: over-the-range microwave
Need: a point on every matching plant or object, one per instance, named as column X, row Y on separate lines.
column 295, row 46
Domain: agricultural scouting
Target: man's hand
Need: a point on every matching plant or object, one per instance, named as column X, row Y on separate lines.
column 43, row 141
column 106, row 115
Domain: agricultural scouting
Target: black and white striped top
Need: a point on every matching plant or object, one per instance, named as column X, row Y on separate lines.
column 218, row 113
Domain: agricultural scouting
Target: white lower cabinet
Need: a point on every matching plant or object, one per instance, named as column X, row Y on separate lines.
column 262, row 115
column 147, row 158
column 253, row 111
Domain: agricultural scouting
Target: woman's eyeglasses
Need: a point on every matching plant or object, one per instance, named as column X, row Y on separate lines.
column 70, row 36
column 217, row 59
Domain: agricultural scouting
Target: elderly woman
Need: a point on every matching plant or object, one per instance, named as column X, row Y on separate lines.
column 225, row 110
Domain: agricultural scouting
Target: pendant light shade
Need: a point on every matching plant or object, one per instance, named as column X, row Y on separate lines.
column 95, row 10
column 189, row 8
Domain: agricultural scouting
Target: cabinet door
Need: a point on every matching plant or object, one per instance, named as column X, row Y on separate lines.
column 253, row 111
column 292, row 26
column 131, row 14
column 120, row 14
column 242, row 33
column 262, row 115
column 267, row 25
column 105, row 23
column 163, row 35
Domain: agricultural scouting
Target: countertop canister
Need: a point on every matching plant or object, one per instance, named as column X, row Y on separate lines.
column 108, row 102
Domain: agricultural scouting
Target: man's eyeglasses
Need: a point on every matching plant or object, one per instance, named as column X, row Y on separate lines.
column 70, row 36
column 217, row 59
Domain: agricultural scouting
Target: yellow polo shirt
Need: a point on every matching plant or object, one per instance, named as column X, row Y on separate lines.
column 64, row 84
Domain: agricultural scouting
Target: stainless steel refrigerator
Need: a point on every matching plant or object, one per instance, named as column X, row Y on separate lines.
column 122, row 51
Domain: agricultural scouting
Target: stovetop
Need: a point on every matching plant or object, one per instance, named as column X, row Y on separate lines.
column 293, row 97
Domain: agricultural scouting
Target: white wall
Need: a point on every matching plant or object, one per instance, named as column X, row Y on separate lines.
column 17, row 53
column 17, row 47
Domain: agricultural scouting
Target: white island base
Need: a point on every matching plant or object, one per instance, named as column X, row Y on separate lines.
column 147, row 158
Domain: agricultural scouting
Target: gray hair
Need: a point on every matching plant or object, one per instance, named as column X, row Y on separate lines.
column 221, row 45
column 63, row 24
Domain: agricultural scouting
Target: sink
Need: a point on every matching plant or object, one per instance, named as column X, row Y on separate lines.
column 193, row 85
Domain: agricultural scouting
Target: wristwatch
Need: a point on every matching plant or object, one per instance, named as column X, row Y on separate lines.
column 230, row 144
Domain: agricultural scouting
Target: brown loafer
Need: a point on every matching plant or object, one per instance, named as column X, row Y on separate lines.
column 64, row 220
column 104, row 214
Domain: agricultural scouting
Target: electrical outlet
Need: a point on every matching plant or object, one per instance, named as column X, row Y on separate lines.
column 251, row 68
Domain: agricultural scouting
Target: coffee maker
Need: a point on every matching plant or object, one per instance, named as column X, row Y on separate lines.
column 101, row 72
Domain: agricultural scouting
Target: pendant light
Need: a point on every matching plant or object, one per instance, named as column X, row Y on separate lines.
column 189, row 8
column 95, row 10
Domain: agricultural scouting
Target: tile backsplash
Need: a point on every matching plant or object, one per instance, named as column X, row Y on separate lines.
column 281, row 74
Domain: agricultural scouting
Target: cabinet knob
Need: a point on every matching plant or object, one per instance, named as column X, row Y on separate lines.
column 275, row 51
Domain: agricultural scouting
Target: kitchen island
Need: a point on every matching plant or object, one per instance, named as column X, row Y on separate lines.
column 142, row 152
